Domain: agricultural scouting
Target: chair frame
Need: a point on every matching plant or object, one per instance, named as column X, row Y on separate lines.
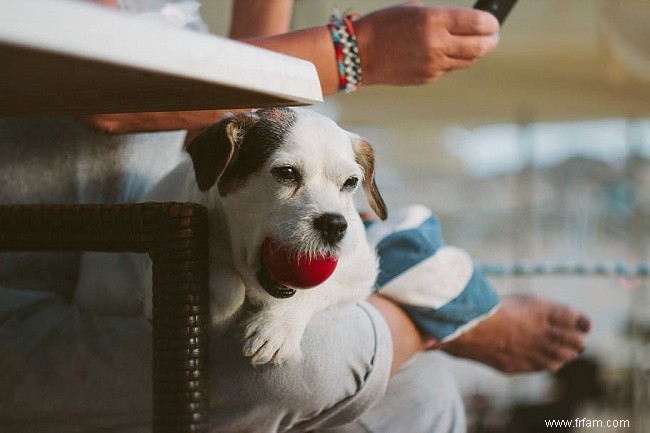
column 175, row 237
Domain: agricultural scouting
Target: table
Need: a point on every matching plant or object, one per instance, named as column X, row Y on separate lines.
column 67, row 57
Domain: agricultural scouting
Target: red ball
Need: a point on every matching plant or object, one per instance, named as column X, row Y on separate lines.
column 289, row 269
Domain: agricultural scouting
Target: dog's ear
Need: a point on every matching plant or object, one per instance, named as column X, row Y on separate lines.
column 365, row 157
column 214, row 149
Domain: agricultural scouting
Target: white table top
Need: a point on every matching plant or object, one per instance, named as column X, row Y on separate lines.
column 62, row 56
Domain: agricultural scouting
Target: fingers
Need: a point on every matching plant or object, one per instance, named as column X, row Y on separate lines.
column 471, row 22
column 462, row 52
column 466, row 51
column 413, row 44
column 471, row 47
column 471, row 36
column 454, row 64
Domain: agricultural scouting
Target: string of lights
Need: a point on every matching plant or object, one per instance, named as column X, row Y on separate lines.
column 521, row 268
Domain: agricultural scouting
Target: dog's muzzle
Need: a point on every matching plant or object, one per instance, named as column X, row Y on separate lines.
column 331, row 226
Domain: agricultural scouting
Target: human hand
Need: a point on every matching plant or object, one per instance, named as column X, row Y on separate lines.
column 411, row 44
column 122, row 123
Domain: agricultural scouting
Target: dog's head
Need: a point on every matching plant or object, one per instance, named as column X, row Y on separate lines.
column 286, row 175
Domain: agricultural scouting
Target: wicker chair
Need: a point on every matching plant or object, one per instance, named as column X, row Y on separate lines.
column 175, row 236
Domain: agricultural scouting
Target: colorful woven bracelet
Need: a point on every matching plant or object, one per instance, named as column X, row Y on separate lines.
column 348, row 62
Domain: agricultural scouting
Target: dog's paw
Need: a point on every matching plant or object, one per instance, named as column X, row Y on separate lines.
column 269, row 340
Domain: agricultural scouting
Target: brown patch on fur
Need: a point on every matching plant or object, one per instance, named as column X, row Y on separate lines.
column 281, row 116
column 212, row 150
column 365, row 157
column 257, row 142
column 229, row 152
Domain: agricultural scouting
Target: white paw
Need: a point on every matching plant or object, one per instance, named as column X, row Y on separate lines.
column 268, row 339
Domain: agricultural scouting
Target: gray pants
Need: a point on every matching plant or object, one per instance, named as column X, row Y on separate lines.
column 72, row 370
column 421, row 398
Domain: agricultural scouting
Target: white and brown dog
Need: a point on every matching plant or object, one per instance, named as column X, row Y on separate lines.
column 285, row 177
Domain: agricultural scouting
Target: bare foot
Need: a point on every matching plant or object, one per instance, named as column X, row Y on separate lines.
column 525, row 334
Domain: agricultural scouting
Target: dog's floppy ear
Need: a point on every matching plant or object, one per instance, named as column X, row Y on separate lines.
column 365, row 157
column 214, row 149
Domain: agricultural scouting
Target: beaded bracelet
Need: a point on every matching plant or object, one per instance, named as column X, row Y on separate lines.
column 348, row 62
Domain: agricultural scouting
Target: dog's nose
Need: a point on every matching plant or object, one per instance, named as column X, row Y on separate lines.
column 331, row 226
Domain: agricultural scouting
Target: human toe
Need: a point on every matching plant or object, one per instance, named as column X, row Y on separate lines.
column 569, row 318
column 569, row 339
column 584, row 324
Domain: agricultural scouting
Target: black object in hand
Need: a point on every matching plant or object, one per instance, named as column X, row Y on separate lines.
column 499, row 8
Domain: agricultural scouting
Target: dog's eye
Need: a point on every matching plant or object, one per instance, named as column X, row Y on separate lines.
column 351, row 183
column 286, row 173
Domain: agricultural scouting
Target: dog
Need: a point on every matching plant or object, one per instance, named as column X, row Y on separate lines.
column 284, row 176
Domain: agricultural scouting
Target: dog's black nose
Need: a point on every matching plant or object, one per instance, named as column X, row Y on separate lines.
column 331, row 226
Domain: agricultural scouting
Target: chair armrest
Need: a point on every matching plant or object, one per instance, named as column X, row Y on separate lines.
column 175, row 237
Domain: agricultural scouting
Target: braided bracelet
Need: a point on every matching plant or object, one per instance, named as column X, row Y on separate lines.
column 348, row 62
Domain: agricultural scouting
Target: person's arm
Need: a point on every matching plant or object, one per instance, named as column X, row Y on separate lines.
column 401, row 45
column 256, row 18
column 407, row 339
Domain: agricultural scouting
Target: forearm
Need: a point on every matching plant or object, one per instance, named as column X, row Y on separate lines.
column 265, row 23
column 407, row 339
column 255, row 18
column 313, row 44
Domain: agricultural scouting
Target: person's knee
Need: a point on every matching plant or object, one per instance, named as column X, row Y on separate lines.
column 423, row 397
column 334, row 381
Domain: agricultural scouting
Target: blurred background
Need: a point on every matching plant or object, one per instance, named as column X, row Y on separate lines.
column 538, row 153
